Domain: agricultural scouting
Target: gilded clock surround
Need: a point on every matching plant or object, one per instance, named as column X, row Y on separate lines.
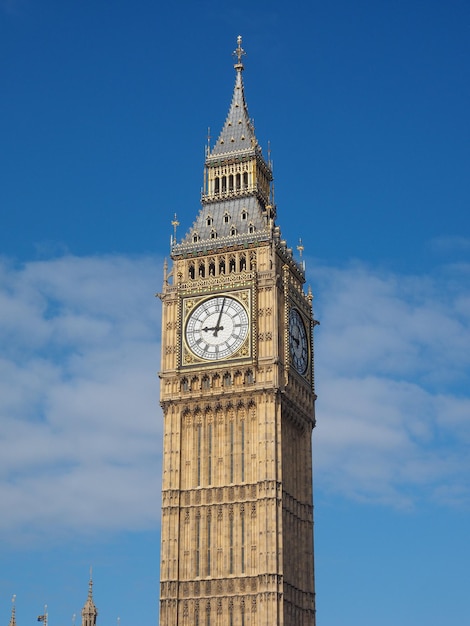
column 190, row 304
column 237, row 504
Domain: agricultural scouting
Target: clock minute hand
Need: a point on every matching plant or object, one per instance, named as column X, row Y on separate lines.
column 218, row 326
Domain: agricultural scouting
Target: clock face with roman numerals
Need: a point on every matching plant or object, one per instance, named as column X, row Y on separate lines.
column 217, row 328
column 298, row 342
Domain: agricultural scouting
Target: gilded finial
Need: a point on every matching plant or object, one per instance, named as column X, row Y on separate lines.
column 239, row 53
column 300, row 247
column 175, row 225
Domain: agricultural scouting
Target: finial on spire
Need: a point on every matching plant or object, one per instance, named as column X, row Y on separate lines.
column 13, row 611
column 43, row 617
column 239, row 53
column 90, row 584
column 175, row 225
column 300, row 248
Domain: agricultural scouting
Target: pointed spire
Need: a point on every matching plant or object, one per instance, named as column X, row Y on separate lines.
column 13, row 611
column 89, row 611
column 236, row 193
column 238, row 132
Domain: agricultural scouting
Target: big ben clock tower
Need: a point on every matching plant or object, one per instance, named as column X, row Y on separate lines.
column 237, row 392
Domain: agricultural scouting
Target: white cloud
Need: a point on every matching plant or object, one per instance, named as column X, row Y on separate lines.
column 393, row 374
column 79, row 395
column 81, row 427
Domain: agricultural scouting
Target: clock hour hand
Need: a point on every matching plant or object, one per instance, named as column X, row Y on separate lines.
column 207, row 328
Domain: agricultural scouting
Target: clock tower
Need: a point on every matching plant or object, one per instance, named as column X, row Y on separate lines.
column 237, row 392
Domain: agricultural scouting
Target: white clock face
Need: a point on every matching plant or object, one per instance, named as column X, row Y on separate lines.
column 298, row 342
column 217, row 328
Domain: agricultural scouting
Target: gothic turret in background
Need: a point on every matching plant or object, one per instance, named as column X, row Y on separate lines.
column 89, row 611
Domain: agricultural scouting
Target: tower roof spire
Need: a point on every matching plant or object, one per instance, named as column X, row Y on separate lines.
column 236, row 207
column 238, row 133
column 89, row 611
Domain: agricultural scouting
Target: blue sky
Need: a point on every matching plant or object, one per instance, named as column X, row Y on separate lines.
column 103, row 121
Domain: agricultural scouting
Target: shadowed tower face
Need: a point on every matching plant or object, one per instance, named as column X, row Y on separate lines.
column 237, row 392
